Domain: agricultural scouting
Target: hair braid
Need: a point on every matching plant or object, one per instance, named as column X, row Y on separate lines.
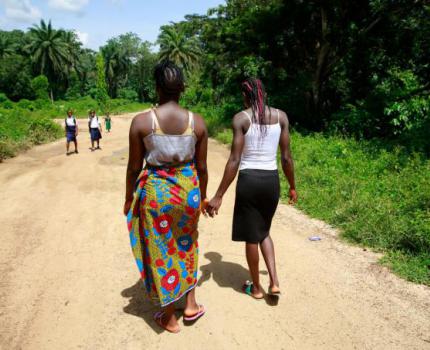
column 253, row 89
column 169, row 78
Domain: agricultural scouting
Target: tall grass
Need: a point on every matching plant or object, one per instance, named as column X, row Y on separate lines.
column 378, row 198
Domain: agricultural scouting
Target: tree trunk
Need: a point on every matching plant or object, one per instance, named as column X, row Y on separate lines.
column 322, row 55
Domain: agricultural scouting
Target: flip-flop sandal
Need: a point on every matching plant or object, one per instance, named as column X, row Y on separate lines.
column 247, row 288
column 273, row 294
column 158, row 317
column 196, row 316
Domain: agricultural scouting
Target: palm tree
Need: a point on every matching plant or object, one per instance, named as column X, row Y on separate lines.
column 6, row 47
column 49, row 51
column 176, row 47
column 117, row 63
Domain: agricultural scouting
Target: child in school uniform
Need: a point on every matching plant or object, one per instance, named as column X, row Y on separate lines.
column 95, row 129
column 71, row 130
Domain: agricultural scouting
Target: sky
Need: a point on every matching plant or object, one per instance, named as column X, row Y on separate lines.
column 96, row 21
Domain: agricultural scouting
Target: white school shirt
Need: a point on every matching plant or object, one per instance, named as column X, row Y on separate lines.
column 70, row 121
column 94, row 122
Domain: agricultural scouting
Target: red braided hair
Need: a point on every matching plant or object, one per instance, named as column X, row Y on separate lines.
column 253, row 89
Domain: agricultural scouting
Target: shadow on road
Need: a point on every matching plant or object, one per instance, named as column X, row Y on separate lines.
column 226, row 274
column 140, row 306
column 229, row 275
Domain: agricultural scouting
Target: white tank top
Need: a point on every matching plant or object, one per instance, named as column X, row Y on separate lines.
column 260, row 152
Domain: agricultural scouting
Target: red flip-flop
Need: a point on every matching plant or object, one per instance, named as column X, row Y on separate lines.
column 196, row 316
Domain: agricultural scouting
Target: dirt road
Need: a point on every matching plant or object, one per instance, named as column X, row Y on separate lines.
column 68, row 279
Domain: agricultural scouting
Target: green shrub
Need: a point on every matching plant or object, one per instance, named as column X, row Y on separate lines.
column 7, row 104
column 40, row 86
column 25, row 104
column 3, row 97
column 128, row 94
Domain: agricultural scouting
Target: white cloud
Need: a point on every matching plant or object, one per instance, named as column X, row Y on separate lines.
column 68, row 5
column 82, row 37
column 21, row 10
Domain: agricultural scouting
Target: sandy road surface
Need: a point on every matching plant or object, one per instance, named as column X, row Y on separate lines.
column 68, row 279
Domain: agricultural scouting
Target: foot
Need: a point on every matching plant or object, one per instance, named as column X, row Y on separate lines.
column 76, row 151
column 92, row 149
column 67, row 153
column 250, row 289
column 171, row 325
column 274, row 290
column 194, row 313
column 98, row 147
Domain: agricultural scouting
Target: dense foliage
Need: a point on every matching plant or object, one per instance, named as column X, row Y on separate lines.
column 72, row 71
column 358, row 68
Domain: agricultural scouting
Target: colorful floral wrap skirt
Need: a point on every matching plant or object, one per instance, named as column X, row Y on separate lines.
column 162, row 223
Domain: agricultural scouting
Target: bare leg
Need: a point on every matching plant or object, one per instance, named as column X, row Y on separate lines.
column 169, row 320
column 191, row 306
column 76, row 146
column 268, row 251
column 252, row 257
column 67, row 146
column 92, row 145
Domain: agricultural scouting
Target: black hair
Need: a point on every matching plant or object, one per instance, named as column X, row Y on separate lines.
column 254, row 91
column 169, row 77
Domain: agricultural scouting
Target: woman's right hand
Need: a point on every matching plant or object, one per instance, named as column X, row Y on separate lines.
column 214, row 205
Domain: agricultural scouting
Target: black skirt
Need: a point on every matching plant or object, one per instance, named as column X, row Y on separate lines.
column 257, row 197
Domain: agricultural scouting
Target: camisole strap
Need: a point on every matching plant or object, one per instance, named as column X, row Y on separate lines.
column 249, row 117
column 191, row 120
column 155, row 123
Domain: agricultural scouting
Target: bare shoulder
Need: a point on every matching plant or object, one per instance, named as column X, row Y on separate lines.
column 141, row 122
column 240, row 120
column 283, row 118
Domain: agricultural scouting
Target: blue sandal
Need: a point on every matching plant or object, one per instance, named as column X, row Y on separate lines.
column 247, row 288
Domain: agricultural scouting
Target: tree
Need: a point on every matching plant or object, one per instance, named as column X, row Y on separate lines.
column 49, row 52
column 116, row 65
column 176, row 47
column 7, row 49
column 102, row 95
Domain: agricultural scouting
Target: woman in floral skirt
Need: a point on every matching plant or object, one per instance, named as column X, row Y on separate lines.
column 164, row 200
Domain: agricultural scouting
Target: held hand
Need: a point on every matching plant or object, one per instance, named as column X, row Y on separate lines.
column 293, row 196
column 214, row 205
column 204, row 206
column 127, row 206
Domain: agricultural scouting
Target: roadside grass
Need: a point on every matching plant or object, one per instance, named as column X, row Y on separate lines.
column 20, row 129
column 378, row 198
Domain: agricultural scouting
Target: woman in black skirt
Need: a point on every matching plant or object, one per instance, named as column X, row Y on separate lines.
column 257, row 133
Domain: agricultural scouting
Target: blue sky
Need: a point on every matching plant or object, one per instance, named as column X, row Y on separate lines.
column 98, row 20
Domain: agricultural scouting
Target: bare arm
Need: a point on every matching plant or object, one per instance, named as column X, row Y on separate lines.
column 286, row 157
column 201, row 154
column 135, row 159
column 233, row 163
